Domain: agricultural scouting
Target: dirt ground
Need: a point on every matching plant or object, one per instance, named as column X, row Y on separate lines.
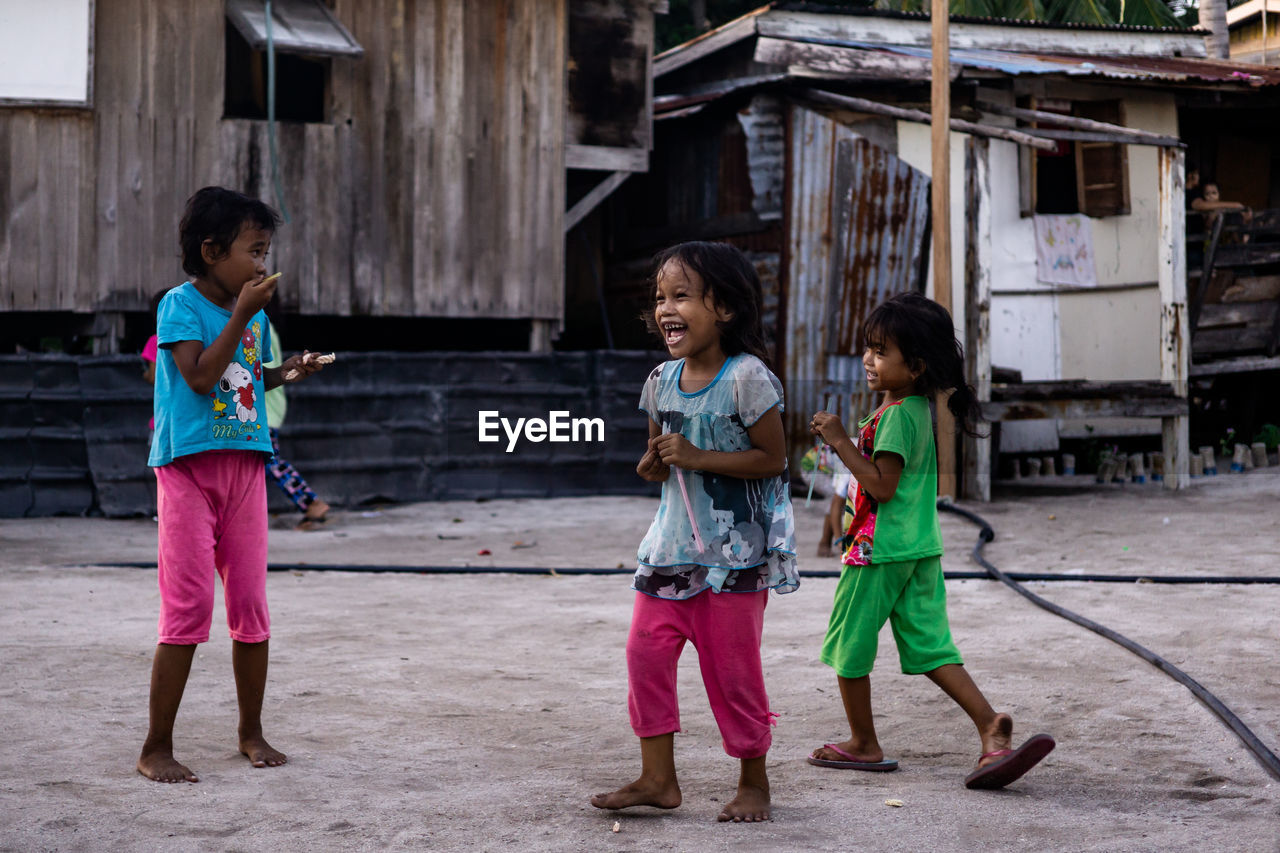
column 479, row 711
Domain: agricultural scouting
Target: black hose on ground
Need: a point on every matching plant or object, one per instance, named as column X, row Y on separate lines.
column 1266, row 757
column 808, row 573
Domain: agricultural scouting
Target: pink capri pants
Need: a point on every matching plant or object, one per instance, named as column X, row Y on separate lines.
column 725, row 629
column 213, row 518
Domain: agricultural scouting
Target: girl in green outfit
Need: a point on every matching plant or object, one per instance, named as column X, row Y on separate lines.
column 893, row 544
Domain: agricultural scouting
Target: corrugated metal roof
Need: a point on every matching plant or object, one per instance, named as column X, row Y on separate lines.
column 827, row 9
column 1168, row 68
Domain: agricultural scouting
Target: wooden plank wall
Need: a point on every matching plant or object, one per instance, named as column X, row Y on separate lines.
column 436, row 188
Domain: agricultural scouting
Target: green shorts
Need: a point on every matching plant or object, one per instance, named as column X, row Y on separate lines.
column 911, row 597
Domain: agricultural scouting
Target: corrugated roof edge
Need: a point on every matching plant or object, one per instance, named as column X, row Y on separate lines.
column 867, row 11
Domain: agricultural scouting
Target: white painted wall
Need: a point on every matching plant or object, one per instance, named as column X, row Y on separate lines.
column 1049, row 335
column 915, row 148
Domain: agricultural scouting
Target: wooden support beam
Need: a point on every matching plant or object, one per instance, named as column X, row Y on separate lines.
column 864, row 105
column 591, row 200
column 940, row 194
column 1118, row 132
column 977, row 310
column 1087, row 136
column 1245, row 364
column 1175, row 333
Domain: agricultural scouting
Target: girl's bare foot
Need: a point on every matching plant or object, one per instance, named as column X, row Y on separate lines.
column 260, row 753
column 161, row 766
column 995, row 737
column 870, row 753
column 642, row 792
column 750, row 805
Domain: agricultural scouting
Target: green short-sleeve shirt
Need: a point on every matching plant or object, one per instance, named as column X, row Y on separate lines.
column 906, row 525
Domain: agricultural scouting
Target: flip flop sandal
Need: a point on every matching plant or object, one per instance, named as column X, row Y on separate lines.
column 1012, row 765
column 851, row 762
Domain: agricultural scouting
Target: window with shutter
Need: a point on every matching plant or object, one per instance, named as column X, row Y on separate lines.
column 1081, row 176
column 1102, row 168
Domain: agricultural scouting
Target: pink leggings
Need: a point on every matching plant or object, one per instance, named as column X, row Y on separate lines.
column 213, row 518
column 725, row 629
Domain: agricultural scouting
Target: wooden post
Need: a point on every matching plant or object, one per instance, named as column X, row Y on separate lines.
column 1175, row 336
column 977, row 309
column 541, row 334
column 940, row 113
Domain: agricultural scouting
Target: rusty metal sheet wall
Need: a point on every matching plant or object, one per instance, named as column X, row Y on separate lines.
column 858, row 218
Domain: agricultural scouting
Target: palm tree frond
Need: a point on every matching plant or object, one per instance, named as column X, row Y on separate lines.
column 1149, row 13
column 1097, row 12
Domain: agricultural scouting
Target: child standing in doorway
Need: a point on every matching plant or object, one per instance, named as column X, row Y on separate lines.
column 207, row 452
column 892, row 562
column 723, row 535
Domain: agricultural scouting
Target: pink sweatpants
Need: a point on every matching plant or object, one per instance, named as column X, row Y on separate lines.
column 213, row 518
column 725, row 629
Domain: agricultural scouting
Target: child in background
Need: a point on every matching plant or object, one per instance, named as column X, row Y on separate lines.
column 892, row 565
column 149, row 365
column 723, row 535
column 840, row 479
column 209, row 443
column 314, row 511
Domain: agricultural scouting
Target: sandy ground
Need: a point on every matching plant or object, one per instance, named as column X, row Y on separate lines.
column 479, row 711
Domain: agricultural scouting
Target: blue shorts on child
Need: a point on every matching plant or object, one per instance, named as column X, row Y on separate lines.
column 910, row 596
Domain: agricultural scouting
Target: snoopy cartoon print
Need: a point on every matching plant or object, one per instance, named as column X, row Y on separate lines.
column 237, row 380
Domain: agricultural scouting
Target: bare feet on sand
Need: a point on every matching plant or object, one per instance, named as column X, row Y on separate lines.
column 160, row 766
column 260, row 753
column 750, row 805
column 642, row 792
column 997, row 736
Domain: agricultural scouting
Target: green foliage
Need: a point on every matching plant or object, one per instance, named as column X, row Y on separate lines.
column 1148, row 13
column 1269, row 435
column 677, row 26
column 1097, row 12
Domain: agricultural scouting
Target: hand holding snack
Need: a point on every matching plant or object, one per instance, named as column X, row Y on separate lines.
column 297, row 367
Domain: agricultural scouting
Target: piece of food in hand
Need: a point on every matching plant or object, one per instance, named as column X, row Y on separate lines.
column 271, row 277
column 308, row 358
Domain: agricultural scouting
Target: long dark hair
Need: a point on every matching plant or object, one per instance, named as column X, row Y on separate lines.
column 924, row 334
column 732, row 281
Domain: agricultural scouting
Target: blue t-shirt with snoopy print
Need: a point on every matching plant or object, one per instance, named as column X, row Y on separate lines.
column 233, row 416
column 746, row 525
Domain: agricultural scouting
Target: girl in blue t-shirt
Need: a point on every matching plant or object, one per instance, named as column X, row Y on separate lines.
column 893, row 544
column 723, row 535
column 208, row 449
